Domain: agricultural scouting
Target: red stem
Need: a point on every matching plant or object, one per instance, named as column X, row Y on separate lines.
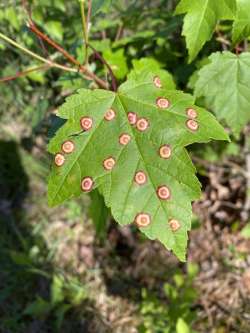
column 42, row 37
column 56, row 46
column 24, row 73
column 89, row 12
column 111, row 73
column 29, row 13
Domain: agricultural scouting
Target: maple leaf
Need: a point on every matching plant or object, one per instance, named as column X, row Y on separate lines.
column 225, row 84
column 201, row 19
column 131, row 146
column 241, row 25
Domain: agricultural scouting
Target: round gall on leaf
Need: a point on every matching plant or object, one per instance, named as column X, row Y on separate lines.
column 109, row 163
column 165, row 151
column 157, row 82
column 59, row 159
column 86, row 123
column 140, row 178
column 142, row 124
column 109, row 115
column 191, row 113
column 192, row 125
column 162, row 103
column 132, row 118
column 163, row 192
column 174, row 224
column 142, row 220
column 124, row 139
column 68, row 147
column 87, row 184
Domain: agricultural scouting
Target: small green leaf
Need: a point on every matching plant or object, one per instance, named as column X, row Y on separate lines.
column 99, row 213
column 141, row 68
column 225, row 84
column 55, row 29
column 241, row 25
column 100, row 6
column 39, row 308
column 201, row 19
column 182, row 327
column 57, row 295
column 245, row 232
column 128, row 196
column 117, row 62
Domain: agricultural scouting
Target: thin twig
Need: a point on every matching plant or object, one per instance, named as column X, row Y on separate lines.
column 70, row 58
column 246, row 210
column 104, row 62
column 24, row 73
column 119, row 32
column 89, row 13
column 27, row 9
column 224, row 42
column 88, row 24
column 36, row 56
column 85, row 31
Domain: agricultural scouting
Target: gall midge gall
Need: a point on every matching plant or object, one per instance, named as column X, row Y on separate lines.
column 162, row 103
column 59, row 159
column 140, row 178
column 124, row 139
column 86, row 123
column 68, row 147
column 142, row 124
column 191, row 113
column 87, row 184
column 142, row 220
column 109, row 163
column 192, row 125
column 165, row 151
column 109, row 115
column 163, row 193
column 157, row 82
column 174, row 224
column 132, row 118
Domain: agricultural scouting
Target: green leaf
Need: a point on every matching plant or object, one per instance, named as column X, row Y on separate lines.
column 141, row 66
column 181, row 326
column 57, row 295
column 99, row 213
column 225, row 84
column 201, row 19
column 117, row 61
column 121, row 193
column 245, row 232
column 39, row 308
column 55, row 29
column 100, row 5
column 241, row 25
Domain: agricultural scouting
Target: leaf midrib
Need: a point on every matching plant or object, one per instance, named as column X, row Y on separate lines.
column 145, row 165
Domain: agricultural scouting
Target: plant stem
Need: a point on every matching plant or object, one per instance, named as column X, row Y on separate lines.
column 24, row 73
column 82, row 68
column 27, row 9
column 36, row 56
column 104, row 62
column 85, row 31
column 89, row 13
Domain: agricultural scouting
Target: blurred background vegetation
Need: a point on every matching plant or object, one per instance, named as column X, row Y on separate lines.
column 71, row 268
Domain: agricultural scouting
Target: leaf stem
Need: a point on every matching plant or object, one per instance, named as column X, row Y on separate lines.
column 69, row 57
column 104, row 62
column 24, row 73
column 36, row 56
column 85, row 31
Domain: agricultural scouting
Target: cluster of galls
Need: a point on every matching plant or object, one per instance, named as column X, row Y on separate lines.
column 140, row 178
